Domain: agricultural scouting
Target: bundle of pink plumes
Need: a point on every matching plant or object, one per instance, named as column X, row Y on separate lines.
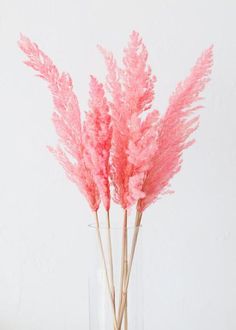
column 124, row 150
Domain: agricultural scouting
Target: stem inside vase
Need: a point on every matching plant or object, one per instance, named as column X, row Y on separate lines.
column 116, row 296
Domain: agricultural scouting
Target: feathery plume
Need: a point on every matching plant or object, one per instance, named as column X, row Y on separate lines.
column 132, row 91
column 79, row 174
column 97, row 140
column 119, row 126
column 178, row 123
column 141, row 149
column 66, row 119
column 138, row 80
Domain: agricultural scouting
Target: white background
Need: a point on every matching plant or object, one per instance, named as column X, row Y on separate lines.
column 189, row 242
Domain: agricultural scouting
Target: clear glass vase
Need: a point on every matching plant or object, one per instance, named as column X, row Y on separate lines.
column 115, row 278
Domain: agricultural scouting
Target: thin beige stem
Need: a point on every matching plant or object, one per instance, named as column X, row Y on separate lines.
column 111, row 258
column 131, row 258
column 105, row 268
column 124, row 234
column 125, row 276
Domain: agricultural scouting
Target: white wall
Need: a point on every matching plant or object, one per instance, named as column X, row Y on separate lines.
column 190, row 261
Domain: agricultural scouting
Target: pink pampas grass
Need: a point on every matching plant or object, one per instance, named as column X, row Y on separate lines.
column 139, row 154
column 124, row 143
column 132, row 92
column 178, row 123
column 66, row 120
column 97, row 138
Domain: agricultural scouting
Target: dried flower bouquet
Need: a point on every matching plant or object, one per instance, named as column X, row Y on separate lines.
column 123, row 143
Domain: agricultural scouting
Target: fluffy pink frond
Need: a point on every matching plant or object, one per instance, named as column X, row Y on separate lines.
column 141, row 149
column 137, row 76
column 80, row 175
column 113, row 82
column 179, row 122
column 66, row 118
column 143, row 142
column 132, row 91
column 60, row 85
column 135, row 188
column 119, row 127
column 97, row 140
